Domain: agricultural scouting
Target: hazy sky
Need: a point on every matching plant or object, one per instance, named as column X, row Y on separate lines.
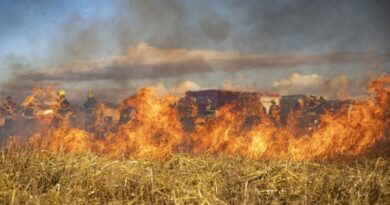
column 113, row 47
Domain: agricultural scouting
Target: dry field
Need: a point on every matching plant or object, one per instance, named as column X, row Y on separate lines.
column 33, row 177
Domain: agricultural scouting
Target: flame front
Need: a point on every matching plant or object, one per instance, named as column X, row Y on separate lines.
column 156, row 130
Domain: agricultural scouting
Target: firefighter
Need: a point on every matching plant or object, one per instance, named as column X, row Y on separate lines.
column 126, row 114
column 189, row 110
column 10, row 107
column 90, row 107
column 274, row 112
column 311, row 103
column 209, row 107
column 321, row 107
column 297, row 115
column 313, row 112
column 91, row 102
column 257, row 112
column 63, row 104
column 263, row 110
column 300, row 105
column 187, row 106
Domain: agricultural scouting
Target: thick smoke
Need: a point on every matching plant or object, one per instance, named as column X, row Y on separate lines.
column 146, row 62
column 143, row 61
column 184, row 38
column 330, row 86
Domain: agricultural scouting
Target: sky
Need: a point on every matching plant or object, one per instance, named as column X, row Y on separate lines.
column 114, row 47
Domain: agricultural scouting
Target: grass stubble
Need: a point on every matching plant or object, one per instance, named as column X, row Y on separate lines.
column 37, row 177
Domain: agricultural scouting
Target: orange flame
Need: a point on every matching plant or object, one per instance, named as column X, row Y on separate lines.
column 155, row 130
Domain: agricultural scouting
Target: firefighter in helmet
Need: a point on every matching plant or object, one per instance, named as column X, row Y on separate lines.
column 311, row 102
column 321, row 107
column 63, row 104
column 296, row 117
column 91, row 103
column 274, row 112
column 90, row 107
column 10, row 107
column 300, row 105
column 188, row 106
column 312, row 113
column 208, row 109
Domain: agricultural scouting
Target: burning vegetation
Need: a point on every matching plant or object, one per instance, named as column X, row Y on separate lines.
column 209, row 147
column 254, row 125
column 205, row 130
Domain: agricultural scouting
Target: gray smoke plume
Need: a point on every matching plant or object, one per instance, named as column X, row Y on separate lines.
column 196, row 37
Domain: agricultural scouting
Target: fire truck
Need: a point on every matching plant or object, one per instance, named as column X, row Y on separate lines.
column 220, row 98
column 207, row 102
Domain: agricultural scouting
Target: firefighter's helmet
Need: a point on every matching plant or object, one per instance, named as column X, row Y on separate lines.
column 301, row 101
column 193, row 99
column 90, row 95
column 61, row 93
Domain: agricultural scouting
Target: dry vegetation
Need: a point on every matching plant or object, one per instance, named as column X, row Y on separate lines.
column 63, row 178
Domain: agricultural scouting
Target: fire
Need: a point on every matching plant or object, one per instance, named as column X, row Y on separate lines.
column 61, row 138
column 343, row 135
column 155, row 128
column 48, row 112
column 42, row 104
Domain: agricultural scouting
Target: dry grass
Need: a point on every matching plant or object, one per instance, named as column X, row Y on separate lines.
column 59, row 178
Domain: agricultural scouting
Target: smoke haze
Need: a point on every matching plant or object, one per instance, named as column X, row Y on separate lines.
column 115, row 47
